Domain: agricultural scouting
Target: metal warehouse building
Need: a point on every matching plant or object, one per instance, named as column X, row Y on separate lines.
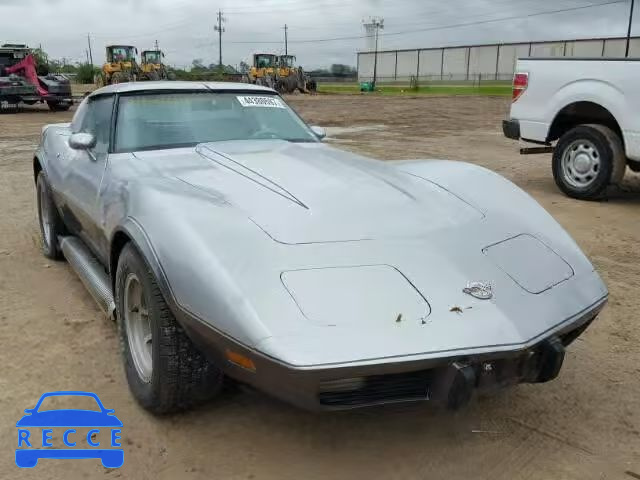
column 480, row 62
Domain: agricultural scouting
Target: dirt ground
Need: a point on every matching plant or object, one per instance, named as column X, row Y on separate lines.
column 584, row 425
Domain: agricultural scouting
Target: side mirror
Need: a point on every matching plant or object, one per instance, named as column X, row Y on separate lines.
column 319, row 132
column 82, row 141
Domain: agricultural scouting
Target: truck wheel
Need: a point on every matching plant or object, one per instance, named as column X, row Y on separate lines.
column 586, row 160
column 164, row 370
column 51, row 225
column 58, row 107
column 119, row 77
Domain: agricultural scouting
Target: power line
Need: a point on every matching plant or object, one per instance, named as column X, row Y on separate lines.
column 441, row 27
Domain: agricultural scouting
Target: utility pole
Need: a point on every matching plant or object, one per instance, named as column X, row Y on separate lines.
column 286, row 40
column 220, row 29
column 157, row 46
column 87, row 52
column 374, row 25
column 626, row 53
column 90, row 52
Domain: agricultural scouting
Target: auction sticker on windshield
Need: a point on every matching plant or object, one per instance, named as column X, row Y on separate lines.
column 270, row 102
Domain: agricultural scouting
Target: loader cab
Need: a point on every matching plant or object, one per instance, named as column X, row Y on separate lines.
column 152, row 57
column 121, row 54
column 264, row 60
column 287, row 61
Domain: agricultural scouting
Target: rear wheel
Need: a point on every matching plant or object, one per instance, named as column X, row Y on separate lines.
column 586, row 160
column 99, row 80
column 58, row 107
column 51, row 225
column 164, row 370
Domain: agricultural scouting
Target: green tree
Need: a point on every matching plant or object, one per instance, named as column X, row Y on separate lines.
column 86, row 73
column 42, row 61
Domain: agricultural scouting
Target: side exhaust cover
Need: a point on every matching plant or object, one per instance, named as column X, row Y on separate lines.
column 91, row 273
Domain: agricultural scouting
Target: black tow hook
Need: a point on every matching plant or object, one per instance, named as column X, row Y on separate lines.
column 551, row 358
column 462, row 385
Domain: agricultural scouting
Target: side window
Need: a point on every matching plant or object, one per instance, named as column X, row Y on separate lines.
column 79, row 116
column 97, row 121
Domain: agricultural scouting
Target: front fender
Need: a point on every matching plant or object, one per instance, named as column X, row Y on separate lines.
column 182, row 238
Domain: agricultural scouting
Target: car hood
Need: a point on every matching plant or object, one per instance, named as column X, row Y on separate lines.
column 367, row 257
column 312, row 193
column 69, row 418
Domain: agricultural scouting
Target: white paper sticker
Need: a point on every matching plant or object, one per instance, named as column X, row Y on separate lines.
column 270, row 102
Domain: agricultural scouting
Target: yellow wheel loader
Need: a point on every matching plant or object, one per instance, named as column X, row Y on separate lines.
column 263, row 71
column 152, row 67
column 121, row 66
column 290, row 78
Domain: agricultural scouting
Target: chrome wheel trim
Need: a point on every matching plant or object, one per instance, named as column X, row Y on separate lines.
column 581, row 163
column 138, row 327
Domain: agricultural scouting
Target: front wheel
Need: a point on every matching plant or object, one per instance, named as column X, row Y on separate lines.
column 51, row 225
column 164, row 370
column 586, row 160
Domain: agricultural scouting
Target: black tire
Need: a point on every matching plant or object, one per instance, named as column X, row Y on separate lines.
column 54, row 227
column 58, row 107
column 609, row 152
column 120, row 77
column 181, row 376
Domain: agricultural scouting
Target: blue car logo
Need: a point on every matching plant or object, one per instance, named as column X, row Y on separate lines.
column 34, row 445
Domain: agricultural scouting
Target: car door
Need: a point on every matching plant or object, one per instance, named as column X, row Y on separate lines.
column 85, row 170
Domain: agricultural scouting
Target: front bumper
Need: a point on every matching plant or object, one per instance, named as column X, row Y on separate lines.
column 450, row 379
column 511, row 129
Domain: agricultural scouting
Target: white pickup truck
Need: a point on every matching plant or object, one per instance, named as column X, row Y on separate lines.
column 590, row 108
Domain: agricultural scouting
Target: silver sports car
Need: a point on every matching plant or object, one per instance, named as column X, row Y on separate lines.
column 227, row 240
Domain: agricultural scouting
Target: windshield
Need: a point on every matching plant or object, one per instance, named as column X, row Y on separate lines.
column 287, row 61
column 265, row 61
column 150, row 122
column 121, row 54
column 151, row 57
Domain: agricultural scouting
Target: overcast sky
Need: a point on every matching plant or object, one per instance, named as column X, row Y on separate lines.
column 184, row 28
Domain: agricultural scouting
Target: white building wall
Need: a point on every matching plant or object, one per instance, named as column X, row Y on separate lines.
column 386, row 66
column 614, row 48
column 584, row 48
column 483, row 60
column 509, row 55
column 455, row 63
column 430, row 63
column 634, row 48
column 365, row 66
column 407, row 64
column 547, row 49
